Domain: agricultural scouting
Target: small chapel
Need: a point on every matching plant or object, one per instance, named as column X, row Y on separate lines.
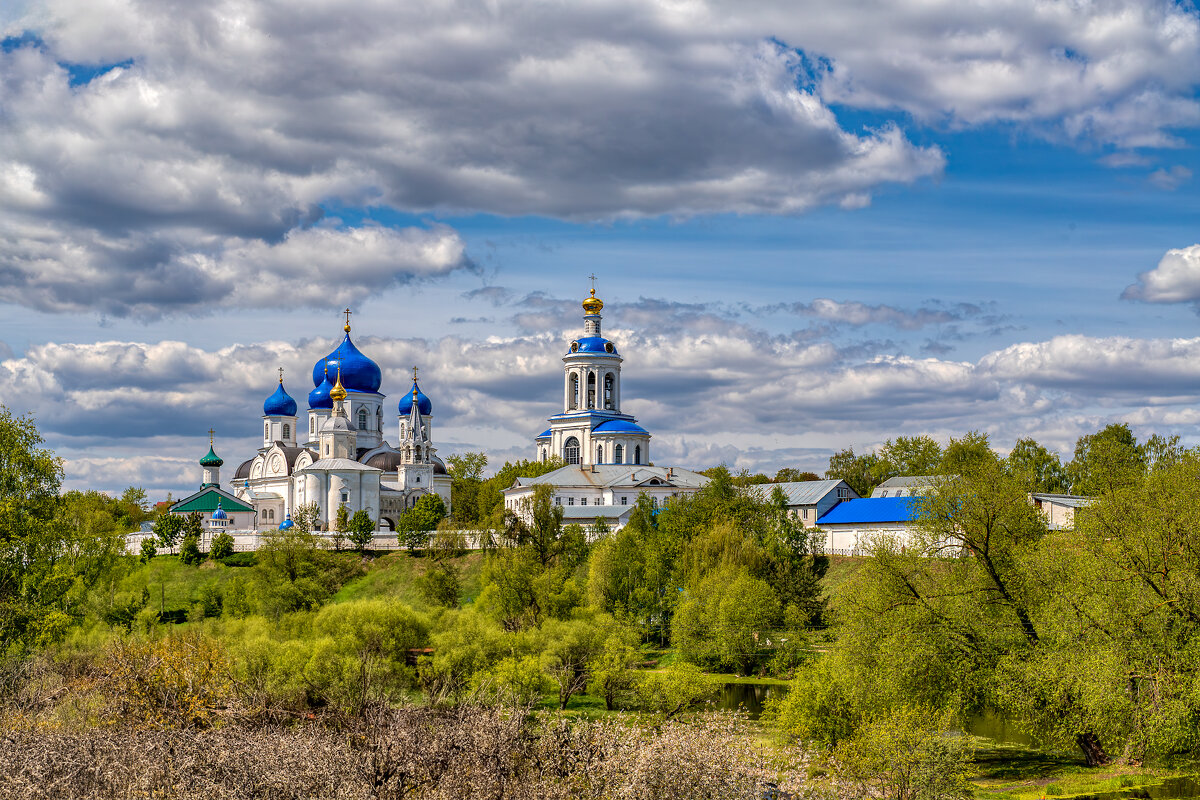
column 336, row 453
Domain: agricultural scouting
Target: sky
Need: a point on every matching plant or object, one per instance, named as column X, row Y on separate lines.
column 814, row 225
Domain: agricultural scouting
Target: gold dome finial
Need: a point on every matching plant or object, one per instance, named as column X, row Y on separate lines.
column 593, row 304
column 338, row 393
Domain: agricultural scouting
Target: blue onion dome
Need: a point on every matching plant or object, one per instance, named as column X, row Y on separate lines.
column 319, row 397
column 359, row 373
column 424, row 404
column 287, row 523
column 279, row 404
column 220, row 512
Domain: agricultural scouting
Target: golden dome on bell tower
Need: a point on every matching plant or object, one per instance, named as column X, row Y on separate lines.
column 593, row 304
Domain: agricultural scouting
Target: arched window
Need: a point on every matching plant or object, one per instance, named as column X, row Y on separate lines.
column 379, row 419
column 287, row 431
column 573, row 393
column 362, row 419
column 542, row 457
column 571, row 451
column 608, row 390
column 312, row 424
column 619, row 454
column 591, row 390
column 267, row 431
column 600, row 454
column 403, row 430
column 637, row 454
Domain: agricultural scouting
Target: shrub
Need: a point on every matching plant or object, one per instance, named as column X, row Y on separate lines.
column 239, row 560
column 179, row 680
column 222, row 546
column 908, row 754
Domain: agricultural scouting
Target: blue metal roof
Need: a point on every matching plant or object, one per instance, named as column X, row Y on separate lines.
column 873, row 509
column 619, row 426
column 594, row 345
column 544, row 435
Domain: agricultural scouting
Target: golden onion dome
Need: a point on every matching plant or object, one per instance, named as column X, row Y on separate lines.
column 338, row 393
column 593, row 304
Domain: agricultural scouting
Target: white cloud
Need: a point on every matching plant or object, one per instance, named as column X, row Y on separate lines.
column 134, row 412
column 858, row 314
column 1170, row 179
column 187, row 176
column 1176, row 279
column 1107, row 71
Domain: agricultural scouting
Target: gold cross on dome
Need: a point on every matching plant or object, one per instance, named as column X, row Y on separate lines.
column 414, row 374
column 347, row 313
column 211, row 432
column 592, row 277
column 281, row 374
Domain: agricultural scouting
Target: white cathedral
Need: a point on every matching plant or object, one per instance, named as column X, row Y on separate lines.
column 338, row 455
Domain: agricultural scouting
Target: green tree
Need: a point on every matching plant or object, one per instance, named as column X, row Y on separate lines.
column 294, row 572
column 569, row 650
column 532, row 576
column 149, row 551
column 466, row 481
column 911, row 455
column 862, row 473
column 341, row 525
column 362, row 529
column 222, row 546
column 306, row 518
column 1107, row 460
column 907, row 754
column 168, row 528
column 415, row 524
column 189, row 548
column 613, row 669
column 675, row 689
column 968, row 454
column 1037, row 468
column 792, row 475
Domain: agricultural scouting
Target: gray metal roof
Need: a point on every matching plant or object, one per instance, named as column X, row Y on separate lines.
column 612, row 475
column 338, row 465
column 802, row 493
column 1071, row 500
column 911, row 482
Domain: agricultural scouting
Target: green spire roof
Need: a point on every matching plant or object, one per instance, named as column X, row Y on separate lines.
column 212, row 459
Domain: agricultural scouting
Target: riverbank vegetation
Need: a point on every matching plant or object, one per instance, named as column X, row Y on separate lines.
column 599, row 654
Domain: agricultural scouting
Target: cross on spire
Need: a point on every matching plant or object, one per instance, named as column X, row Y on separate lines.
column 211, row 433
column 414, row 374
column 592, row 277
column 281, row 374
column 347, row 313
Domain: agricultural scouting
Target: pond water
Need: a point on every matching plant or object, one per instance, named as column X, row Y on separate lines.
column 1172, row 789
column 748, row 696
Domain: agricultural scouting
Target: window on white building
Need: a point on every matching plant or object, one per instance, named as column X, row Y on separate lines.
column 312, row 424
column 362, row 419
column 571, row 451
column 624, row 501
column 570, row 501
column 345, row 496
column 583, row 501
column 266, row 430
column 619, row 455
column 558, row 501
column 637, row 454
column 287, row 431
column 600, row 454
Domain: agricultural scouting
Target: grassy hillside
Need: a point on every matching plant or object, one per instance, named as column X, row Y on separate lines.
column 395, row 574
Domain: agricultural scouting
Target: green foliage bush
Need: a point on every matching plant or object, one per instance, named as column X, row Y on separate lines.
column 222, row 546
